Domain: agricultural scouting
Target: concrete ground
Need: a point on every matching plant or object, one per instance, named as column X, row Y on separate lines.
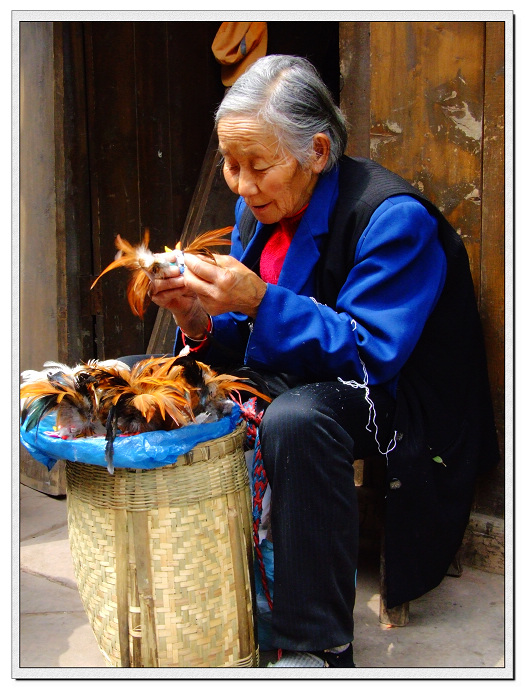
column 458, row 630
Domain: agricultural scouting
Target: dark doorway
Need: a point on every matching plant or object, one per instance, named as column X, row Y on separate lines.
column 138, row 107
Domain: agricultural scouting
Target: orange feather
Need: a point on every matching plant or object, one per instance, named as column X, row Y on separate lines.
column 146, row 266
column 202, row 244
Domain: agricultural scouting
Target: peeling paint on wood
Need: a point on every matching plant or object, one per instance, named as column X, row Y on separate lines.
column 426, row 110
column 455, row 114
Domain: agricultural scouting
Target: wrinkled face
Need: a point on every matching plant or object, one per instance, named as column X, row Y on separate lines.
column 273, row 183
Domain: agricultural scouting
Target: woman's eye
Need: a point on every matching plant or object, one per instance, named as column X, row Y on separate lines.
column 234, row 168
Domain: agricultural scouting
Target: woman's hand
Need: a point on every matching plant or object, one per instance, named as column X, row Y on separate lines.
column 171, row 293
column 227, row 286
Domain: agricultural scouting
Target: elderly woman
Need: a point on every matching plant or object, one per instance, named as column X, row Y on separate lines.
column 351, row 295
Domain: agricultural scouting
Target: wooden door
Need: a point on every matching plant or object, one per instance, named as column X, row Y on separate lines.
column 151, row 89
column 426, row 99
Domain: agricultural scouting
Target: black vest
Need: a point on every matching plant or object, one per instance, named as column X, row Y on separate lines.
column 444, row 410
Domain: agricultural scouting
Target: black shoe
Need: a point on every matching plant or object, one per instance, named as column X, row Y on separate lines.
column 344, row 659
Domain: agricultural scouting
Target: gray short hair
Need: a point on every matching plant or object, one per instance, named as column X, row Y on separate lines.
column 287, row 94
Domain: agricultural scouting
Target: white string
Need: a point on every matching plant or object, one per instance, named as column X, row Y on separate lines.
column 371, row 408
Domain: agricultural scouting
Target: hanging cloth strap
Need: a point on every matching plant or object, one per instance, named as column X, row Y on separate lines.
column 259, row 486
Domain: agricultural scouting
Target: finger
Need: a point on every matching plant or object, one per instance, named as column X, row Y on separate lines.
column 225, row 261
column 163, row 284
column 201, row 270
column 201, row 267
column 174, row 298
column 170, row 270
column 169, row 256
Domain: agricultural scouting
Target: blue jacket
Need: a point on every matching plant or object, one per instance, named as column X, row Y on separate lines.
column 380, row 311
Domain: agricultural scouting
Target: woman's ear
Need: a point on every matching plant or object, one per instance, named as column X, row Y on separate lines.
column 321, row 144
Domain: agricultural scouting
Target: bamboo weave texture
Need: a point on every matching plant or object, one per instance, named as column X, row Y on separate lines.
column 163, row 558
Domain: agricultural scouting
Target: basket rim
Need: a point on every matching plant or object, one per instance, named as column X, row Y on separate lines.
column 202, row 451
column 211, row 470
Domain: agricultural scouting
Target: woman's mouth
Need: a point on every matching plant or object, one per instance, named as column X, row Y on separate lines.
column 258, row 207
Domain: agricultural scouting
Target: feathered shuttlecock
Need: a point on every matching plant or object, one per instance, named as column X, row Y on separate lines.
column 71, row 392
column 147, row 400
column 146, row 266
column 210, row 394
column 74, row 401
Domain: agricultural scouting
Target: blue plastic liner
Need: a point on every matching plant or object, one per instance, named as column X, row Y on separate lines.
column 143, row 451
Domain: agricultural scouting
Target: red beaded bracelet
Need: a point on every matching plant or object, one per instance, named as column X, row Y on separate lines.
column 203, row 342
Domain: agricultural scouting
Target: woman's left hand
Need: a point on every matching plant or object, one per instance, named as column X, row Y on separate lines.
column 227, row 286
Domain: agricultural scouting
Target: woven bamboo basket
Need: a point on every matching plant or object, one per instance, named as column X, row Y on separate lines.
column 163, row 558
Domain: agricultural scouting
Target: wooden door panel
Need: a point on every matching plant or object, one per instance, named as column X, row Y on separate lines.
column 426, row 109
column 150, row 119
column 113, row 173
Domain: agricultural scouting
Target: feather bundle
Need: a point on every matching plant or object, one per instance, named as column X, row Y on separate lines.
column 146, row 266
column 69, row 392
column 109, row 398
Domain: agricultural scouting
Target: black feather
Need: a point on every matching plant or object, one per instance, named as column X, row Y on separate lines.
column 37, row 410
column 111, row 432
column 60, row 380
column 192, row 372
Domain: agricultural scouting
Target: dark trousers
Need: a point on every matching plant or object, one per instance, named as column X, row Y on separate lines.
column 310, row 436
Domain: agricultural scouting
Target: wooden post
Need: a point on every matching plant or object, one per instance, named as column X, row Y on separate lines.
column 121, row 566
column 241, row 583
column 145, row 589
column 393, row 617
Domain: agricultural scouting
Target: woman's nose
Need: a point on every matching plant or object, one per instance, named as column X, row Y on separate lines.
column 246, row 184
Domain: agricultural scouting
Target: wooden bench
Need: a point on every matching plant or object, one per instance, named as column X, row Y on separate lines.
column 369, row 478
